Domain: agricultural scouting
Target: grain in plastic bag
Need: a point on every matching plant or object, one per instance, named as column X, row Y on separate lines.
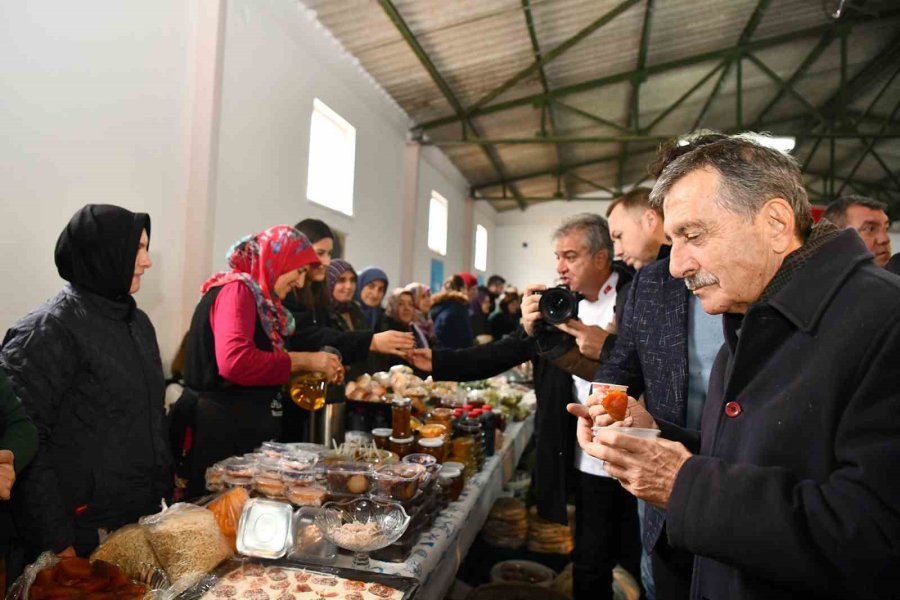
column 186, row 540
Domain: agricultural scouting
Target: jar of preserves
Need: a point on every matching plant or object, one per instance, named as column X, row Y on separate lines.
column 401, row 446
column 432, row 446
column 443, row 416
column 401, row 411
column 450, row 479
column 381, row 436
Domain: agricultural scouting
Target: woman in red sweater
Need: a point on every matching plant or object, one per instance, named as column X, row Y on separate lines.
column 235, row 358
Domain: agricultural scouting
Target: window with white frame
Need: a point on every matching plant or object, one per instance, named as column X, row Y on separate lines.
column 437, row 224
column 481, row 248
column 332, row 156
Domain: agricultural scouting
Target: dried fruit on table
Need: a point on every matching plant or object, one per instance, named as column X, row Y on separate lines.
column 616, row 404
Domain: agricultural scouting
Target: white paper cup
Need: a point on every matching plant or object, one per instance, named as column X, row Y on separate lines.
column 647, row 434
column 605, row 388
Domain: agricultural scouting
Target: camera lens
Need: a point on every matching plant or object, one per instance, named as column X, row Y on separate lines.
column 558, row 305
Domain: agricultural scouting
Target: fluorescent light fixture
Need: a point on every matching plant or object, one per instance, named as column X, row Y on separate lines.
column 782, row 143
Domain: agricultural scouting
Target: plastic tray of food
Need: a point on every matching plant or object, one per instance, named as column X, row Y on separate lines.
column 310, row 545
column 236, row 577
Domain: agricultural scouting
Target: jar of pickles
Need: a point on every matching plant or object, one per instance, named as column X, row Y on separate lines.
column 433, row 446
column 401, row 412
column 401, row 446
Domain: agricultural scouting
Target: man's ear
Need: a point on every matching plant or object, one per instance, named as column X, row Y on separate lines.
column 779, row 223
column 650, row 219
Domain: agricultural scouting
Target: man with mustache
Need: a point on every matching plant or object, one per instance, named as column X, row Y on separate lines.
column 869, row 218
column 789, row 490
column 665, row 349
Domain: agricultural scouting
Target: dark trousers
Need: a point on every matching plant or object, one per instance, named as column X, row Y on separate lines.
column 672, row 570
column 606, row 533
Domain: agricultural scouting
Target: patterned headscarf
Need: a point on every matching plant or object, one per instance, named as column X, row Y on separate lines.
column 422, row 319
column 367, row 276
column 333, row 272
column 393, row 303
column 257, row 261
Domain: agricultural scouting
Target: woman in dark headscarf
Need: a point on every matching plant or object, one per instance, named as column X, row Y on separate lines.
column 87, row 369
column 370, row 291
column 235, row 358
column 479, row 309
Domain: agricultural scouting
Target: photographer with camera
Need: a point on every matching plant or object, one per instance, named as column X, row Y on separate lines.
column 558, row 324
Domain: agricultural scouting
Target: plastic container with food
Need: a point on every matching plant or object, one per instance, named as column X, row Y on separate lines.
column 273, row 488
column 298, row 460
column 265, row 529
column 399, row 481
column 274, row 449
column 310, row 545
column 310, row 476
column 230, row 482
column 239, row 467
column 269, row 468
column 214, row 478
column 306, row 495
column 348, row 477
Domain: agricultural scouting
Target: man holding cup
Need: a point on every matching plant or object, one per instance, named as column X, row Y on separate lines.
column 790, row 488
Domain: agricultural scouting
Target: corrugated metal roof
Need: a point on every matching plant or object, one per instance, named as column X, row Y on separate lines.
column 479, row 45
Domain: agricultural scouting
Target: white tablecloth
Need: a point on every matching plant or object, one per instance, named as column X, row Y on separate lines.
column 435, row 559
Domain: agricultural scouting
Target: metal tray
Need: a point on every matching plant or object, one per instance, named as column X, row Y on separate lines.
column 407, row 585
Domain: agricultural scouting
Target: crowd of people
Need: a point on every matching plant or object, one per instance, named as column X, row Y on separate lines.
column 757, row 344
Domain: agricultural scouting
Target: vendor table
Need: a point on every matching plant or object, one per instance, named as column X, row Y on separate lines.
column 435, row 559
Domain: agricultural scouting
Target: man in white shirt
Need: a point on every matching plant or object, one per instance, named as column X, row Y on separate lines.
column 606, row 524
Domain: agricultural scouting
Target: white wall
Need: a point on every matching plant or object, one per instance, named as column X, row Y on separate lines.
column 276, row 61
column 524, row 250
column 92, row 111
column 101, row 102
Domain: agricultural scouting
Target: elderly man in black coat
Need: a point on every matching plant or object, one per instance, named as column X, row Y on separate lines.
column 791, row 489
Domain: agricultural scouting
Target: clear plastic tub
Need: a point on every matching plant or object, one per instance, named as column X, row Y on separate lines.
column 399, row 481
column 348, row 477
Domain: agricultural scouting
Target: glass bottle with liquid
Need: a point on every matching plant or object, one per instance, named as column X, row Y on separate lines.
column 308, row 389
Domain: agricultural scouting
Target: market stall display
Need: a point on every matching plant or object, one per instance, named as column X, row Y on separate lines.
column 270, row 504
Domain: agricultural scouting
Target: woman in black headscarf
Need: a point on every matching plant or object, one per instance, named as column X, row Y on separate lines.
column 86, row 367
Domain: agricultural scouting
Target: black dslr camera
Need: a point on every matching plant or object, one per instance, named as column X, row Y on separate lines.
column 558, row 304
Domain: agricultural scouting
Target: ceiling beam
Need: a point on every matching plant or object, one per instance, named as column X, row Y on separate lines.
column 624, row 139
column 787, row 86
column 537, row 99
column 552, row 54
column 548, row 109
column 869, row 146
column 632, row 107
column 747, row 33
column 811, row 58
column 414, row 45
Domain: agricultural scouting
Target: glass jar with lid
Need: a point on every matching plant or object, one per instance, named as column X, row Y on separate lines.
column 432, row 446
column 401, row 446
column 401, row 412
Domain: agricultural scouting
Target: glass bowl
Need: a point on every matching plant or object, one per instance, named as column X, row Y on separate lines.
column 362, row 525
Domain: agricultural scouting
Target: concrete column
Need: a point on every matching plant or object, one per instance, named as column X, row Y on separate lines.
column 203, row 103
column 411, row 157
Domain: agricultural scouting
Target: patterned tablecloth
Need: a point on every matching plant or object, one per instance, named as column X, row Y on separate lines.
column 436, row 558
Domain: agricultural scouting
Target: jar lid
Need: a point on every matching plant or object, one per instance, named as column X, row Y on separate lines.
column 382, row 432
column 435, row 442
column 406, row 440
column 401, row 401
column 449, row 472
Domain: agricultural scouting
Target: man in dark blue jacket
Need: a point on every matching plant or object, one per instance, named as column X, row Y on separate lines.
column 790, row 490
